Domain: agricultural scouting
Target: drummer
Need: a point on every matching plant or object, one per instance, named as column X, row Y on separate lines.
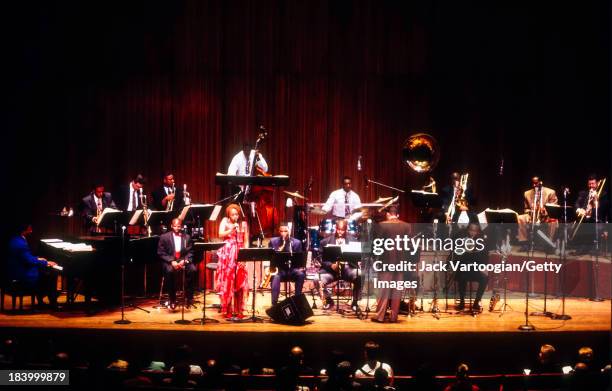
column 343, row 201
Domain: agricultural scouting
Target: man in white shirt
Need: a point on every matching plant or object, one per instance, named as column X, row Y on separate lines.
column 343, row 201
column 243, row 161
column 371, row 353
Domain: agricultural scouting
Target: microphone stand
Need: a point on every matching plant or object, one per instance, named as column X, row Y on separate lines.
column 563, row 259
column 385, row 186
column 537, row 191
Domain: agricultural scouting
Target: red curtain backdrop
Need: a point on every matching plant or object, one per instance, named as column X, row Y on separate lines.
column 151, row 86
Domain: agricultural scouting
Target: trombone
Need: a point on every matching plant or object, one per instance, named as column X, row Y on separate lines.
column 592, row 203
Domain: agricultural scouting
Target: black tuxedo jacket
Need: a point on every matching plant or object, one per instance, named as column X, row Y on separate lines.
column 165, row 247
column 122, row 198
column 89, row 207
column 159, row 194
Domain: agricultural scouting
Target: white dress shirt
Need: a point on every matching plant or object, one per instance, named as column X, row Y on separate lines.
column 239, row 163
column 336, row 202
column 177, row 243
column 131, row 207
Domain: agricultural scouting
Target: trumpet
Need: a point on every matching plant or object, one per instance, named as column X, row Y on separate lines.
column 145, row 211
column 186, row 196
column 170, row 204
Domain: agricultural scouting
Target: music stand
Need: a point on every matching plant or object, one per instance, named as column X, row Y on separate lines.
column 561, row 213
column 204, row 247
column 425, row 200
column 200, row 213
column 334, row 253
column 162, row 217
column 113, row 219
column 253, row 255
column 286, row 260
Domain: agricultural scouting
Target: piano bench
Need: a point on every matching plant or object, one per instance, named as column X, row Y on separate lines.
column 16, row 291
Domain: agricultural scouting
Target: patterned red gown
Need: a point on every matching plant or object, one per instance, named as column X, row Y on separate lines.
column 232, row 277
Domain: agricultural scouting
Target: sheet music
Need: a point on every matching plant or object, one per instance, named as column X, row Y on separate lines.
column 105, row 212
column 351, row 247
column 135, row 217
column 215, row 213
column 51, row 240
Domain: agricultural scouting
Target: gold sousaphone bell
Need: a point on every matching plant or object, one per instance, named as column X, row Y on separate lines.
column 421, row 152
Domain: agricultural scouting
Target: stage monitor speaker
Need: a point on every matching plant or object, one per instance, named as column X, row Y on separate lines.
column 293, row 310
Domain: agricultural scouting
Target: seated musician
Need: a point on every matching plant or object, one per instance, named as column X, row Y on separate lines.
column 28, row 271
column 535, row 201
column 333, row 271
column 94, row 204
column 480, row 257
column 342, row 202
column 176, row 251
column 285, row 243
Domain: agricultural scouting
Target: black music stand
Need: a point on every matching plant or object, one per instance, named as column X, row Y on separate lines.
column 334, row 253
column 200, row 213
column 204, row 247
column 253, row 255
column 285, row 260
column 561, row 213
column 113, row 220
column 243, row 180
column 425, row 200
column 162, row 217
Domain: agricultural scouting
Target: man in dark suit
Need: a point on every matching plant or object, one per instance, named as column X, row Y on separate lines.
column 286, row 243
column 176, row 251
column 332, row 271
column 168, row 196
column 94, row 203
column 391, row 227
column 591, row 208
column 131, row 197
column 29, row 271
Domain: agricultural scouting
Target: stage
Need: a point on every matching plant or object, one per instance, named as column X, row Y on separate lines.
column 478, row 339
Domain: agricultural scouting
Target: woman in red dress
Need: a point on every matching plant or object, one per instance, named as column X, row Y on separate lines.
column 232, row 277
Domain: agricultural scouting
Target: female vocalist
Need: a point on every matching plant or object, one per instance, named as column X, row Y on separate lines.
column 232, row 276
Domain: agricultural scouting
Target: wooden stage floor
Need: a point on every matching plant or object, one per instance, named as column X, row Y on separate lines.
column 586, row 316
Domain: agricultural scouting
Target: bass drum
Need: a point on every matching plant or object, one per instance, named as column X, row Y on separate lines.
column 328, row 226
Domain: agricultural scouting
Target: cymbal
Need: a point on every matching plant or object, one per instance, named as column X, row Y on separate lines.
column 296, row 195
column 382, row 200
column 316, row 209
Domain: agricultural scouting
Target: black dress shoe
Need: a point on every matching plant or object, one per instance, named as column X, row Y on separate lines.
column 461, row 306
column 329, row 305
column 375, row 320
column 355, row 307
column 476, row 307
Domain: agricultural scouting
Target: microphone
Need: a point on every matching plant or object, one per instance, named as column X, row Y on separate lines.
column 252, row 209
column 566, row 191
column 501, row 167
column 359, row 163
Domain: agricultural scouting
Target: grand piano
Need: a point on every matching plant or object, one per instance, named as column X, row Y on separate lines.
column 92, row 264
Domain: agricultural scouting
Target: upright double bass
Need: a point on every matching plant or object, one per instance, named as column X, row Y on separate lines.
column 263, row 214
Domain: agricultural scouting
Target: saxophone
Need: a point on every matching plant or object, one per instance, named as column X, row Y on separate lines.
column 272, row 270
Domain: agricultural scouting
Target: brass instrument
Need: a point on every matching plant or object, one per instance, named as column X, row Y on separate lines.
column 272, row 270
column 592, row 202
column 97, row 219
column 145, row 212
column 458, row 199
column 170, row 204
column 431, row 185
column 421, row 152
